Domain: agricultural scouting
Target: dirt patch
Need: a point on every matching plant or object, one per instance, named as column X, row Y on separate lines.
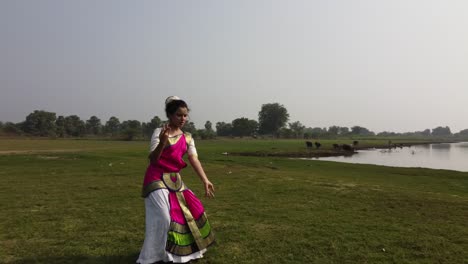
column 35, row 151
column 47, row 157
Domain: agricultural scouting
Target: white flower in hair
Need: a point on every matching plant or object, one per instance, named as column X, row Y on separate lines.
column 171, row 98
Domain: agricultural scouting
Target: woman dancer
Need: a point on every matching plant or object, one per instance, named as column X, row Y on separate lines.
column 177, row 229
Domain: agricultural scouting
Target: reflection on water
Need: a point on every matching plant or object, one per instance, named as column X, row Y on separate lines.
column 441, row 146
column 451, row 156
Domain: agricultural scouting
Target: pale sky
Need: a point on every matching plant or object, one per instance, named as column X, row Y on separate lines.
column 393, row 65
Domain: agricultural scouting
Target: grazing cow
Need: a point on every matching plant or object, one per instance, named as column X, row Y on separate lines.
column 355, row 143
column 309, row 144
column 317, row 144
column 347, row 147
column 336, row 146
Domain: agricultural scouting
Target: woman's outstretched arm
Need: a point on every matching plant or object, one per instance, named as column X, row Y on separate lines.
column 196, row 164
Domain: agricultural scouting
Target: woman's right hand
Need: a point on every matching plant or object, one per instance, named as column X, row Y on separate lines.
column 209, row 189
column 164, row 135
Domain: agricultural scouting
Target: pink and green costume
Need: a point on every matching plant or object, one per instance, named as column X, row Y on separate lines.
column 176, row 222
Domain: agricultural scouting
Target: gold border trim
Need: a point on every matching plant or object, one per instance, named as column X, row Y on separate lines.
column 189, row 249
column 152, row 187
column 184, row 229
column 165, row 183
column 171, row 185
column 201, row 243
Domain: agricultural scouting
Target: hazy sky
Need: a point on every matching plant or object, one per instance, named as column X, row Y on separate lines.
column 393, row 65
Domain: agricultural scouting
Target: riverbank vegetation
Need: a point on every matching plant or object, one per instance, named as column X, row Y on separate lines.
column 77, row 201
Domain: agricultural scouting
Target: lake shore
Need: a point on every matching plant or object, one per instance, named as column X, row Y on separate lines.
column 331, row 152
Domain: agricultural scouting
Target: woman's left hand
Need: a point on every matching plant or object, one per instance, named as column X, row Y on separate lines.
column 209, row 189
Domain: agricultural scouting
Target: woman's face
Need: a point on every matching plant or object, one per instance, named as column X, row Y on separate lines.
column 179, row 118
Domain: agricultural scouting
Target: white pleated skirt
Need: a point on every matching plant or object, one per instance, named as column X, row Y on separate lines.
column 158, row 220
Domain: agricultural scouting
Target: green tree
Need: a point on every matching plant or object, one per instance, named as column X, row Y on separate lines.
column 315, row 132
column 463, row 132
column 74, row 126
column 426, row 132
column 205, row 134
column 94, row 126
column 223, row 129
column 334, row 130
column 40, row 123
column 386, row 134
column 441, row 131
column 286, row 133
column 10, row 128
column 131, row 129
column 297, row 129
column 208, row 132
column 242, row 127
column 358, row 130
column 271, row 118
column 209, row 126
column 60, row 126
column 343, row 131
column 112, row 126
column 148, row 128
column 190, row 127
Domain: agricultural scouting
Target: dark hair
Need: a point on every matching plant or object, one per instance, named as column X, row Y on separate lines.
column 173, row 105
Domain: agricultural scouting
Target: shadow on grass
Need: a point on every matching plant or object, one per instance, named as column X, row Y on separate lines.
column 79, row 259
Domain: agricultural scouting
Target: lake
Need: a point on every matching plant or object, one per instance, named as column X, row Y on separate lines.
column 450, row 156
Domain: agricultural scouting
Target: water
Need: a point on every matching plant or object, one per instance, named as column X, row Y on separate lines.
column 450, row 156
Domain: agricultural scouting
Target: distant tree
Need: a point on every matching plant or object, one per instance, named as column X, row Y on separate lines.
column 242, row 127
column 190, row 127
column 315, row 132
column 74, row 126
column 131, row 129
column 343, row 131
column 271, row 118
column 334, row 130
column 358, row 130
column 208, row 132
column 441, row 131
column 208, row 126
column 1, row 125
column 286, row 133
column 148, row 128
column 425, row 133
column 94, row 126
column 463, row 132
column 205, row 134
column 386, row 134
column 112, row 126
column 10, row 128
column 297, row 129
column 223, row 129
column 60, row 126
column 40, row 123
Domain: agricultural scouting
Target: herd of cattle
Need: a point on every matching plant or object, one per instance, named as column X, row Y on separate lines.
column 345, row 147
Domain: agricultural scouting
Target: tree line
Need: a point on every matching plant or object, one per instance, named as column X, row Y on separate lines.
column 272, row 121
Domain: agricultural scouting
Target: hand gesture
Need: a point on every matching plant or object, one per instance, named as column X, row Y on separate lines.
column 209, row 190
column 164, row 135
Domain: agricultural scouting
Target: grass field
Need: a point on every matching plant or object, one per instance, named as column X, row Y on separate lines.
column 77, row 201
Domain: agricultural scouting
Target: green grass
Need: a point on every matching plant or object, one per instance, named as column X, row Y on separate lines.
column 83, row 206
